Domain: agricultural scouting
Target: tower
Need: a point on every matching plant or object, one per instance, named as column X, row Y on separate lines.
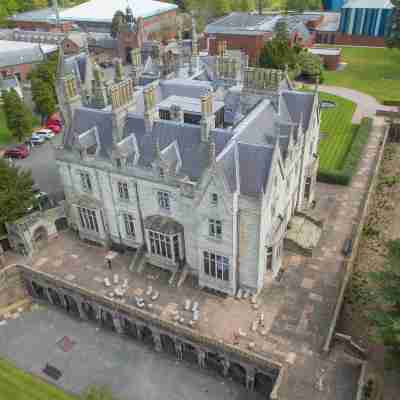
column 99, row 96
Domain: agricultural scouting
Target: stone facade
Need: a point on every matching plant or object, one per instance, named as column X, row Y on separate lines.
column 194, row 207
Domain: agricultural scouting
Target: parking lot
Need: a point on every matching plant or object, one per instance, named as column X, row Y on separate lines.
column 134, row 371
column 41, row 161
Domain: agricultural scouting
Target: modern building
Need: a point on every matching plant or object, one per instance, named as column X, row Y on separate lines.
column 96, row 15
column 39, row 20
column 249, row 32
column 199, row 174
column 333, row 5
column 18, row 58
column 365, row 19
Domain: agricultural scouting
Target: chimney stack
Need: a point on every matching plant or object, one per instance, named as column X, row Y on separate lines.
column 207, row 121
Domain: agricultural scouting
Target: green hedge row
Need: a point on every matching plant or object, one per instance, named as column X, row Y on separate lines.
column 391, row 103
column 344, row 175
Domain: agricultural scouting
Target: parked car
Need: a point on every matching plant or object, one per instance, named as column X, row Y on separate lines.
column 20, row 151
column 56, row 129
column 45, row 133
column 37, row 140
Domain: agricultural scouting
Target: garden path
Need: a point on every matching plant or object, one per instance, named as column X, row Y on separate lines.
column 366, row 104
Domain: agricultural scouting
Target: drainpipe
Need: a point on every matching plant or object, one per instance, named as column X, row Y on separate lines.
column 140, row 213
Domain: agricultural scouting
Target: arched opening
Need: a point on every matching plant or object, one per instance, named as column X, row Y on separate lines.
column 39, row 237
column 189, row 353
column 71, row 305
column 107, row 320
column 38, row 291
column 237, row 373
column 89, row 311
column 61, row 224
column 56, row 299
column 147, row 336
column 128, row 55
column 263, row 384
column 129, row 328
column 167, row 344
column 213, row 363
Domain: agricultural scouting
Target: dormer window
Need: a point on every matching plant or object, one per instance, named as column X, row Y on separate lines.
column 214, row 199
column 161, row 173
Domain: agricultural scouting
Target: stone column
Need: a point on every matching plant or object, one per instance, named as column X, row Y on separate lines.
column 48, row 296
column 178, row 350
column 139, row 329
column 201, row 358
column 117, row 323
column 157, row 341
column 250, row 374
column 225, row 364
column 82, row 313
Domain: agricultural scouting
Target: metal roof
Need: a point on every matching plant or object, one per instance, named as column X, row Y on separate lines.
column 104, row 10
column 188, row 104
column 376, row 4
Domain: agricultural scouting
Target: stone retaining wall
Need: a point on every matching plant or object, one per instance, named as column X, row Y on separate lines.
column 12, row 288
column 252, row 370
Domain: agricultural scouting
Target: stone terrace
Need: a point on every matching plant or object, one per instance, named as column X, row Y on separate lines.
column 297, row 310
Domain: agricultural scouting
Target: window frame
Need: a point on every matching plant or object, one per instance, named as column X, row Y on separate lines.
column 164, row 200
column 86, row 183
column 215, row 228
column 123, row 190
column 129, row 223
column 216, row 266
column 88, row 219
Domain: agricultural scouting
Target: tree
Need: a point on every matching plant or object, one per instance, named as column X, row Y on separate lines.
column 117, row 23
column 43, row 97
column 43, row 81
column 221, row 7
column 245, row 5
column 97, row 393
column 387, row 294
column 302, row 5
column 393, row 35
column 310, row 65
column 16, row 194
column 18, row 116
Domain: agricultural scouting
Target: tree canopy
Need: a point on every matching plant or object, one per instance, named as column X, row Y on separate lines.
column 387, row 294
column 116, row 23
column 97, row 393
column 393, row 36
column 43, row 81
column 16, row 194
column 19, row 118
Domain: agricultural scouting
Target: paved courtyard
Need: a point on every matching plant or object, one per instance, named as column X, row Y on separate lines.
column 134, row 371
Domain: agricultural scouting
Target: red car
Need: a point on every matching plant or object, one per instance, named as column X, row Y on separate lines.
column 20, row 151
column 55, row 128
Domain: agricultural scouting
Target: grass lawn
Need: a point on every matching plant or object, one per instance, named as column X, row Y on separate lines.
column 337, row 126
column 5, row 135
column 18, row 385
column 374, row 71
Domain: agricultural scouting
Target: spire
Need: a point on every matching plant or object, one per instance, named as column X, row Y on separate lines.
column 99, row 99
column 119, row 71
column 61, row 71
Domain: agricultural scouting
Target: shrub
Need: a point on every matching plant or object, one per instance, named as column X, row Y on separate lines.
column 344, row 175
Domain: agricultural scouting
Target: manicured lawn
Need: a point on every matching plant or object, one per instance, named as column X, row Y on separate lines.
column 338, row 132
column 18, row 385
column 375, row 71
column 5, row 136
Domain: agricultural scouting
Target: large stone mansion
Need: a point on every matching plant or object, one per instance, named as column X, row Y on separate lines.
column 199, row 168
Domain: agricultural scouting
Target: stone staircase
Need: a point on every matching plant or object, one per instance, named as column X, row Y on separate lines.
column 303, row 235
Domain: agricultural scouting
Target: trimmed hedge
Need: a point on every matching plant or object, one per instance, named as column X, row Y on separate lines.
column 344, row 175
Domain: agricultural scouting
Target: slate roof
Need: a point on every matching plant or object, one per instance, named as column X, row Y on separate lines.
column 239, row 23
column 244, row 152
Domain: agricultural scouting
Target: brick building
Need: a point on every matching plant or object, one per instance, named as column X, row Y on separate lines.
column 249, row 32
column 18, row 58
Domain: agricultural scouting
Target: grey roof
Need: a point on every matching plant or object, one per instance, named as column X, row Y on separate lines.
column 160, row 223
column 376, row 4
column 185, row 88
column 254, row 165
column 189, row 104
column 15, row 53
column 239, row 23
column 102, row 40
column 42, row 15
column 299, row 103
column 87, row 118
